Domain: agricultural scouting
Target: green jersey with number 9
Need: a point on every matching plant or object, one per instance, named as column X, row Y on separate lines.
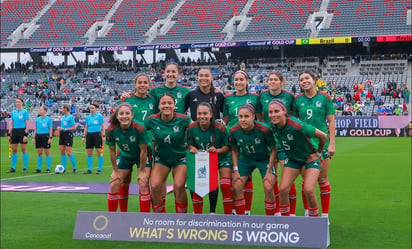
column 314, row 110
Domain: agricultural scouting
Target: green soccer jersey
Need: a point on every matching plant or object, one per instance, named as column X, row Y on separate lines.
column 142, row 107
column 314, row 110
column 128, row 141
column 265, row 97
column 178, row 92
column 202, row 139
column 233, row 102
column 296, row 138
column 254, row 144
column 169, row 137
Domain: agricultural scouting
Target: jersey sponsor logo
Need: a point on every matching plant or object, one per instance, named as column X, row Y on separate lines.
column 290, row 137
column 257, row 141
column 135, row 105
column 158, row 128
column 195, row 100
column 318, row 104
column 176, row 128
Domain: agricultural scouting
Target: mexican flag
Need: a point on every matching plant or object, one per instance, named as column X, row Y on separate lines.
column 202, row 172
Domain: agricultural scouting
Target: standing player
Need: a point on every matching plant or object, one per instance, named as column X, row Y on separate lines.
column 169, row 133
column 295, row 137
column 131, row 139
column 178, row 92
column 207, row 135
column 143, row 106
column 316, row 108
column 206, row 93
column 230, row 112
column 42, row 138
column 66, row 128
column 94, row 132
column 276, row 82
column 253, row 146
column 18, row 134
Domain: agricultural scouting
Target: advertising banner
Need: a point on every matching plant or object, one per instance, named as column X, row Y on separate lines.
column 270, row 231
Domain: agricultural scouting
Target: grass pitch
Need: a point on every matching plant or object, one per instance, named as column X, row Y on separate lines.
column 370, row 207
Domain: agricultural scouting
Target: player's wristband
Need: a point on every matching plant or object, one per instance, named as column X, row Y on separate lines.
column 235, row 168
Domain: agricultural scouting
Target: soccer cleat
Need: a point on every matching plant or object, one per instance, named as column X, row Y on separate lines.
column 37, row 171
column 47, row 171
column 74, row 171
column 98, row 172
column 24, row 171
column 88, row 172
column 11, row 170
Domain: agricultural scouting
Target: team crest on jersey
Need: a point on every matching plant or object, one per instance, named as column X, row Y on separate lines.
column 257, row 141
column 95, row 122
column 290, row 137
column 267, row 101
column 302, row 104
column 20, row 116
column 117, row 139
column 176, row 128
column 151, row 106
column 132, row 139
column 240, row 140
column 179, row 95
column 232, row 102
column 248, row 101
column 197, row 138
column 318, row 104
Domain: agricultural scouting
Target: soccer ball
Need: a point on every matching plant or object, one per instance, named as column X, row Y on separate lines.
column 59, row 169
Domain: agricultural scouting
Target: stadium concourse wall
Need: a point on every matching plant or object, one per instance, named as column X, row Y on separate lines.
column 346, row 126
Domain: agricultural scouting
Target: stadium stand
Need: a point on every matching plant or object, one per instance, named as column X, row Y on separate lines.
column 377, row 18
column 278, row 20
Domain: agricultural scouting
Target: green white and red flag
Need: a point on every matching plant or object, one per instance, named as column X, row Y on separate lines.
column 202, row 172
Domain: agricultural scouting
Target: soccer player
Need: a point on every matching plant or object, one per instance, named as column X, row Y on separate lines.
column 207, row 93
column 170, row 86
column 66, row 128
column 143, row 105
column 169, row 133
column 295, row 137
column 276, row 82
column 94, row 132
column 18, row 134
column 316, row 108
column 230, row 112
column 42, row 138
column 207, row 135
column 253, row 146
column 131, row 139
